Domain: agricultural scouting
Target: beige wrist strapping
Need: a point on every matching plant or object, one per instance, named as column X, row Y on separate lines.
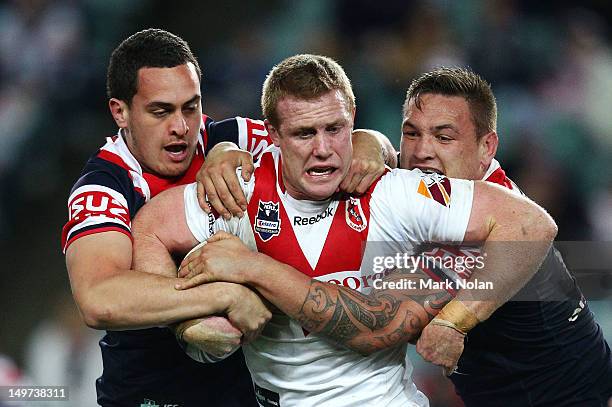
column 457, row 316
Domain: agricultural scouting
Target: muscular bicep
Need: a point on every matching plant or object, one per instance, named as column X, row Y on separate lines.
column 161, row 233
column 92, row 259
column 494, row 206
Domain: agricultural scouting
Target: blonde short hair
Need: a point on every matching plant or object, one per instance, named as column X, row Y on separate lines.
column 304, row 76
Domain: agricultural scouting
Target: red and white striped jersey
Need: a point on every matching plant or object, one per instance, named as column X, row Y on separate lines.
column 327, row 240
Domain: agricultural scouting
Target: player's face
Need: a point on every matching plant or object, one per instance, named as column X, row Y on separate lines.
column 441, row 137
column 315, row 141
column 163, row 121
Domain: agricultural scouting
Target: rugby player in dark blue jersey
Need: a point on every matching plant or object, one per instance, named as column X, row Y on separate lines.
column 154, row 89
column 543, row 347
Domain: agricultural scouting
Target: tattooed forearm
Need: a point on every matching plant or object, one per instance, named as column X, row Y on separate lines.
column 359, row 312
column 435, row 302
column 340, row 326
column 316, row 304
column 367, row 323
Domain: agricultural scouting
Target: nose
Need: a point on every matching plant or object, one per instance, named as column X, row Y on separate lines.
column 321, row 147
column 179, row 125
column 423, row 148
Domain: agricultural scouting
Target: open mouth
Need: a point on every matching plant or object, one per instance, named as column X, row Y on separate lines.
column 177, row 152
column 429, row 170
column 176, row 148
column 321, row 171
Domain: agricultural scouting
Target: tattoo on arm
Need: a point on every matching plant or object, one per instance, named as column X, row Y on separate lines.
column 340, row 327
column 316, row 304
column 369, row 322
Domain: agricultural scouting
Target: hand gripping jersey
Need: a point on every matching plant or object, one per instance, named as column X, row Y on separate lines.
column 147, row 366
column 326, row 240
column 542, row 348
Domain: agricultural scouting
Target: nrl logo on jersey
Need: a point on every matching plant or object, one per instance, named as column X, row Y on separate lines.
column 267, row 221
column 354, row 215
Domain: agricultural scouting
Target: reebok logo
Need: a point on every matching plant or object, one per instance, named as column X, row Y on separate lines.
column 301, row 221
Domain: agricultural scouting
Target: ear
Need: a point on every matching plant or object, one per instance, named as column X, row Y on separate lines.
column 120, row 112
column 272, row 132
column 488, row 148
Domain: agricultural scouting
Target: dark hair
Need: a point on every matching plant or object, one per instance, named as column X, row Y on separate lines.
column 458, row 82
column 304, row 76
column 151, row 48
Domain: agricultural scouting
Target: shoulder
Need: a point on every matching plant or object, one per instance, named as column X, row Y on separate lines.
column 100, row 174
column 106, row 188
column 400, row 181
column 429, row 186
column 249, row 134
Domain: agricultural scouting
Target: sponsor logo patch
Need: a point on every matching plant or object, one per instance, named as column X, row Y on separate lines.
column 354, row 215
column 301, row 220
column 436, row 187
column 97, row 203
column 267, row 221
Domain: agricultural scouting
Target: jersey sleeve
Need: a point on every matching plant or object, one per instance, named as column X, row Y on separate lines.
column 203, row 225
column 248, row 134
column 423, row 208
column 98, row 203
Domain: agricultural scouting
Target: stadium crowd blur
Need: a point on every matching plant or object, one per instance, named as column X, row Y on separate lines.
column 550, row 65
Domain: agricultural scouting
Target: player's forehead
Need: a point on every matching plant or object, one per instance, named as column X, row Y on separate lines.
column 174, row 85
column 295, row 113
column 435, row 111
column 431, row 109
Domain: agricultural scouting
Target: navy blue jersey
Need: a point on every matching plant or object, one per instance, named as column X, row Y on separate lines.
column 147, row 366
column 543, row 348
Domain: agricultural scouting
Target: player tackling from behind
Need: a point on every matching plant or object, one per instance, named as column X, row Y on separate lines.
column 542, row 349
column 153, row 85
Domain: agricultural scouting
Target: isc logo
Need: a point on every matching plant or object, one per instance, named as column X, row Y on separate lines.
column 97, row 203
column 152, row 403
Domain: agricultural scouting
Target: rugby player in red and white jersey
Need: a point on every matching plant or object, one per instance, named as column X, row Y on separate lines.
column 316, row 235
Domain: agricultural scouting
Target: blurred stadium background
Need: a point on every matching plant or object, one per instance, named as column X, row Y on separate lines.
column 550, row 64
